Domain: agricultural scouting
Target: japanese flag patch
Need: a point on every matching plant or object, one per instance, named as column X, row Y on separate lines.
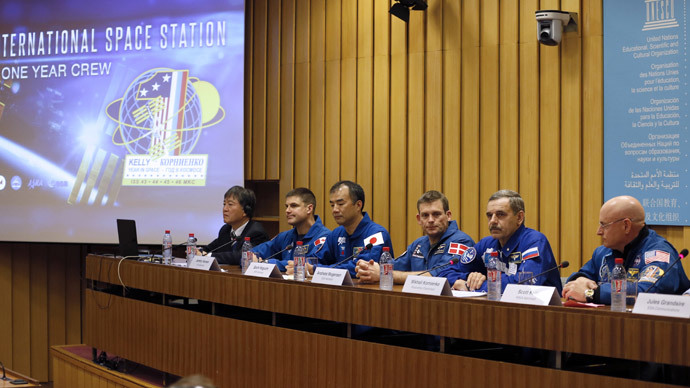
column 374, row 239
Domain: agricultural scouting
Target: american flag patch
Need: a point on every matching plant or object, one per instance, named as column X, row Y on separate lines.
column 530, row 253
column 456, row 248
column 652, row 256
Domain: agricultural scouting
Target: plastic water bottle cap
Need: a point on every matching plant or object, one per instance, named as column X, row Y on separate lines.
column 386, row 249
column 246, row 239
column 167, row 232
column 619, row 260
column 191, row 235
column 299, row 243
column 494, row 253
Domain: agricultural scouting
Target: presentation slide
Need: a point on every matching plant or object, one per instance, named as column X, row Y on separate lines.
column 119, row 109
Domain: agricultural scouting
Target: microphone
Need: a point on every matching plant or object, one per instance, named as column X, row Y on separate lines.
column 218, row 247
column 564, row 264
column 287, row 248
column 452, row 261
column 354, row 256
column 184, row 243
column 681, row 255
column 4, row 376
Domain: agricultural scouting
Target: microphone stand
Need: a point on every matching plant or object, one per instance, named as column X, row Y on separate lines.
column 4, row 376
column 564, row 264
column 366, row 248
column 451, row 262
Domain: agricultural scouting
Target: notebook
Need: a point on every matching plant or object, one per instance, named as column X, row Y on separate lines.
column 127, row 235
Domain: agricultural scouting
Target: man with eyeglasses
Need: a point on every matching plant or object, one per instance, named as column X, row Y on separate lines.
column 624, row 234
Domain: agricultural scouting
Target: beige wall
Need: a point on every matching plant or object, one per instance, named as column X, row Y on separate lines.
column 461, row 99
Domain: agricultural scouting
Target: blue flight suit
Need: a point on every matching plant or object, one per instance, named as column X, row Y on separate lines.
column 339, row 245
column 420, row 256
column 527, row 250
column 312, row 239
column 650, row 254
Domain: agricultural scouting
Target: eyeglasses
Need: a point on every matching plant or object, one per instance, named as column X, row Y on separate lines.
column 605, row 226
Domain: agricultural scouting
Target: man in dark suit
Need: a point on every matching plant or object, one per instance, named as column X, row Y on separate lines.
column 238, row 209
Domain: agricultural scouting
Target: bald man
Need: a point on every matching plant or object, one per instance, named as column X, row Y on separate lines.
column 624, row 234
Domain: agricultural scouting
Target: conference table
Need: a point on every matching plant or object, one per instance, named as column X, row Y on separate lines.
column 248, row 331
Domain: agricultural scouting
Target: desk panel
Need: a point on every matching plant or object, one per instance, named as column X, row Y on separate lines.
column 183, row 342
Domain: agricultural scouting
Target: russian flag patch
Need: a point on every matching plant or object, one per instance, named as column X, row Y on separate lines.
column 530, row 253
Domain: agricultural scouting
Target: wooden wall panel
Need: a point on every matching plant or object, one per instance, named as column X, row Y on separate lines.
column 529, row 158
column 258, row 97
column 6, row 337
column 287, row 92
column 398, row 143
column 433, row 74
column 302, row 98
column 273, row 78
column 380, row 203
column 316, row 141
column 570, row 147
column 451, row 103
column 509, row 96
column 21, row 309
column 365, row 149
column 592, row 195
column 41, row 287
column 38, row 308
column 471, row 207
column 462, row 99
column 489, row 142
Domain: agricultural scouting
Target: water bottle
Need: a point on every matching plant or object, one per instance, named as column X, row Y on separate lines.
column 299, row 260
column 619, row 286
column 167, row 248
column 493, row 276
column 246, row 257
column 386, row 265
column 191, row 248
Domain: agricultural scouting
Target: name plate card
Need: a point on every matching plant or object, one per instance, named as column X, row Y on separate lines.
column 665, row 305
column 204, row 263
column 332, row 276
column 427, row 285
column 534, row 295
column 263, row 270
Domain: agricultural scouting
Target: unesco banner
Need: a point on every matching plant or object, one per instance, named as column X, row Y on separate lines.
column 646, row 106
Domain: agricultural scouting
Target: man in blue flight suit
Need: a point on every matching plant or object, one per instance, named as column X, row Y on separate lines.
column 300, row 204
column 442, row 241
column 355, row 232
column 624, row 234
column 520, row 249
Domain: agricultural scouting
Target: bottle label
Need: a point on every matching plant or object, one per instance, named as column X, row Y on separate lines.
column 387, row 269
column 299, row 261
column 617, row 285
column 492, row 275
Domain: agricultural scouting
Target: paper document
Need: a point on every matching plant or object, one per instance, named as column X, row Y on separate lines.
column 468, row 294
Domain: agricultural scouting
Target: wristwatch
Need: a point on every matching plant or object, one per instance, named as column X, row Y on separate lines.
column 589, row 295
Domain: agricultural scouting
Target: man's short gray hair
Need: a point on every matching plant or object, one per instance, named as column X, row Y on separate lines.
column 517, row 204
